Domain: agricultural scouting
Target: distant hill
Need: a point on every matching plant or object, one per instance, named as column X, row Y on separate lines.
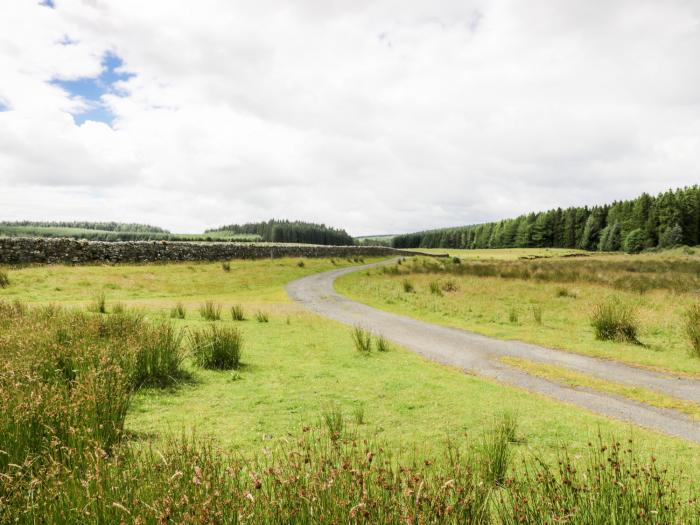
column 668, row 219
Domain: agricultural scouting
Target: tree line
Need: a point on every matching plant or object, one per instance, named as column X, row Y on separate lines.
column 668, row 219
column 290, row 232
column 87, row 225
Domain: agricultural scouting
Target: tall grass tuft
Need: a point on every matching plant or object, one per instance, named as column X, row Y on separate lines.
column 301, row 264
column 562, row 291
column 158, row 361
column 4, row 280
column 216, row 347
column 262, row 317
column 178, row 311
column 382, row 344
column 226, row 266
column 362, row 339
column 98, row 304
column 537, row 313
column 692, row 328
column 408, row 286
column 334, row 420
column 237, row 313
column 358, row 413
column 613, row 320
column 496, row 449
column 513, row 315
column 210, row 311
column 450, row 285
column 435, row 288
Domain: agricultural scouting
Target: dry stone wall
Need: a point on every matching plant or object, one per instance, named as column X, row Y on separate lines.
column 23, row 250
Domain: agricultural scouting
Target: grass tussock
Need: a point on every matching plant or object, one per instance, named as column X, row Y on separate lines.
column 226, row 266
column 4, row 279
column 408, row 286
column 334, row 420
column 237, row 313
column 536, row 310
column 210, row 311
column 178, row 311
column 614, row 320
column 216, row 347
column 382, row 344
column 98, row 304
column 362, row 339
column 692, row 329
column 513, row 315
column 435, row 288
column 262, row 317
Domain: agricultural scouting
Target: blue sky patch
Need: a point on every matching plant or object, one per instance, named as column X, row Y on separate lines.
column 48, row 3
column 91, row 90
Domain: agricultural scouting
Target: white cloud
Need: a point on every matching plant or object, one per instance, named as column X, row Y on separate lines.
column 381, row 116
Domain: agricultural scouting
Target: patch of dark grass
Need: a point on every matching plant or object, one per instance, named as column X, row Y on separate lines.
column 614, row 320
column 237, row 313
column 537, row 313
column 408, row 286
column 435, row 288
column 362, row 339
column 382, row 344
column 692, row 328
column 216, row 347
column 262, row 317
column 226, row 266
column 210, row 311
column 178, row 311
column 4, row 279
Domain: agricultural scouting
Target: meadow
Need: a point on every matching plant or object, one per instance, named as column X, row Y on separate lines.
column 301, row 427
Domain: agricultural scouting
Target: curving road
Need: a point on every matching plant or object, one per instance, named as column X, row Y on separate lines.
column 479, row 354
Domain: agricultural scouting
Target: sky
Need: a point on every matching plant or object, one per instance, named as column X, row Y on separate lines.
column 378, row 116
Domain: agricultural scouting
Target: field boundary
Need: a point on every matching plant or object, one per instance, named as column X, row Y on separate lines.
column 33, row 250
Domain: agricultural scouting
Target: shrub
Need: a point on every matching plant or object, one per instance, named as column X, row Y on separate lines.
column 159, row 357
column 614, row 320
column 513, row 315
column 634, row 241
column 261, row 317
column 216, row 347
column 672, row 236
column 692, row 328
column 334, row 421
column 98, row 304
column 210, row 311
column 537, row 313
column 4, row 280
column 226, row 266
column 381, row 344
column 362, row 339
column 450, row 286
column 178, row 311
column 408, row 286
column 237, row 313
column 435, row 288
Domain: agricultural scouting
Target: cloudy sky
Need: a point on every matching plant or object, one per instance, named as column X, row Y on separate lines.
column 379, row 116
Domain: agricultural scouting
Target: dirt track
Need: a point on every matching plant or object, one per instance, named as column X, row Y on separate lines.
column 479, row 354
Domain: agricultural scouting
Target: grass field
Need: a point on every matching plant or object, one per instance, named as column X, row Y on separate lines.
column 299, row 367
column 550, row 311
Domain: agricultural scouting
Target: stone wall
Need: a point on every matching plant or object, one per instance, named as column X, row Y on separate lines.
column 23, row 250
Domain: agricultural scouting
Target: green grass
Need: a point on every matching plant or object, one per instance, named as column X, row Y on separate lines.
column 297, row 365
column 490, row 306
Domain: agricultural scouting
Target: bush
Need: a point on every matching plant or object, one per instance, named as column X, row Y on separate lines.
column 210, row 311
column 408, row 286
column 381, row 344
column 237, row 313
column 159, row 358
column 672, row 236
column 178, row 311
column 362, row 339
column 98, row 304
column 216, row 347
column 4, row 280
column 692, row 328
column 226, row 266
column 614, row 320
column 262, row 317
column 634, row 241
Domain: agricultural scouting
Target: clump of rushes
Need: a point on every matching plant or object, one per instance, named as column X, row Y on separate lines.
column 334, row 421
column 159, row 359
column 362, row 339
column 613, row 320
column 496, row 449
column 513, row 315
column 237, row 313
column 226, row 266
column 565, row 292
column 450, row 286
column 692, row 328
column 216, row 347
column 119, row 308
column 4, row 280
column 358, row 413
column 210, row 311
column 537, row 313
column 408, row 286
column 456, row 260
column 435, row 288
column 98, row 304
column 301, row 264
column 262, row 317
column 381, row 344
column 178, row 311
